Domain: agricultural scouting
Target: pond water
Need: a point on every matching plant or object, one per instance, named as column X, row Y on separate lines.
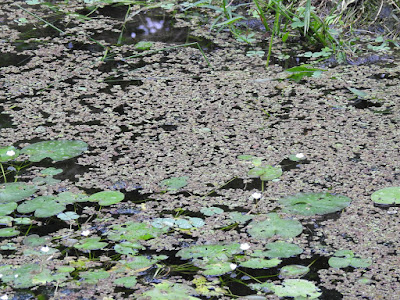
column 197, row 172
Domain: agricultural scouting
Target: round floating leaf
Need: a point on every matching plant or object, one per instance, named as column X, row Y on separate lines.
column 128, row 248
column 92, row 243
column 34, row 240
column 240, row 217
column 51, row 171
column 215, row 268
column 308, row 204
column 141, row 262
column 107, row 198
column 260, row 263
column 345, row 258
column 174, row 183
column 6, row 220
column 132, row 231
column 16, row 191
column 93, row 277
column 209, row 211
column 282, row 249
column 7, row 208
column 7, row 232
column 168, row 290
column 43, row 206
column 8, row 153
column 266, row 172
column 387, row 196
column 56, row 150
column 223, row 252
column 128, row 282
column 144, row 45
column 274, row 225
column 297, row 288
column 293, row 271
column 68, row 216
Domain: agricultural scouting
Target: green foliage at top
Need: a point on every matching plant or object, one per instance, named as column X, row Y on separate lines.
column 16, row 191
column 387, row 196
column 56, row 150
column 274, row 225
column 308, row 204
column 169, row 291
column 346, row 258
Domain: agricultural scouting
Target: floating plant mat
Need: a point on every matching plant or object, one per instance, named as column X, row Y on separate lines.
column 161, row 137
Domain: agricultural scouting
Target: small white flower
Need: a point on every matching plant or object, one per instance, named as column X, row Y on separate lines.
column 4, row 297
column 45, row 249
column 233, row 266
column 300, row 155
column 10, row 153
column 256, row 195
column 1, row 275
column 244, row 246
column 85, row 232
column 16, row 276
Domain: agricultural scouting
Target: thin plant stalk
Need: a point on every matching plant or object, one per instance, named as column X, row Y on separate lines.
column 4, row 174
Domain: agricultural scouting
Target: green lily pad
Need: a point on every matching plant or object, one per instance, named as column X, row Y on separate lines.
column 93, row 277
column 170, row 291
column 16, row 191
column 51, row 171
column 209, row 211
column 43, row 206
column 92, row 243
column 6, row 220
column 34, row 240
column 387, row 196
column 266, row 172
column 181, row 222
column 141, row 262
column 130, row 248
column 293, row 271
column 174, row 183
column 56, row 150
column 128, row 281
column 260, row 263
column 297, row 288
column 308, row 204
column 7, row 232
column 222, row 252
column 8, row 153
column 7, row 208
column 274, row 225
column 282, row 249
column 107, row 198
column 214, row 268
column 143, row 45
column 68, row 216
column 133, row 231
column 346, row 258
column 240, row 217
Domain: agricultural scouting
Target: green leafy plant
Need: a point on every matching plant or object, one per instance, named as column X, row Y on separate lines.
column 387, row 196
column 274, row 225
column 174, row 183
column 346, row 258
column 56, row 150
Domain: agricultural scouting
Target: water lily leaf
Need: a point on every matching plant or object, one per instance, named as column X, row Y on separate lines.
column 297, row 288
column 56, row 150
column 51, row 171
column 7, row 208
column 345, row 258
column 308, row 204
column 141, row 262
column 387, row 196
column 143, row 45
column 215, row 268
column 174, row 183
column 282, row 249
column 16, row 191
column 209, row 211
column 92, row 243
column 6, row 220
column 358, row 93
column 68, row 216
column 92, row 277
column 128, row 281
column 7, row 232
column 170, row 291
column 8, row 153
column 293, row 271
column 128, row 248
column 22, row 221
column 222, row 252
column 274, row 225
column 70, row 198
column 240, row 217
column 43, row 206
column 266, row 172
column 107, row 198
column 132, row 231
column 20, row 277
column 260, row 263
column 34, row 240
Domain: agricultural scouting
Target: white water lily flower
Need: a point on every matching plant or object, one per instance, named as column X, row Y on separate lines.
column 300, row 155
column 233, row 266
column 45, row 249
column 85, row 232
column 256, row 195
column 10, row 153
column 244, row 246
column 4, row 297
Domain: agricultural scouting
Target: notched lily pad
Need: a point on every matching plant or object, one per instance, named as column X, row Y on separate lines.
column 387, row 196
column 282, row 249
column 107, row 198
column 260, row 263
column 16, row 191
column 43, row 206
column 174, row 183
column 274, row 225
column 346, row 258
column 133, row 231
column 293, row 271
column 7, row 208
column 8, row 232
column 56, row 150
column 266, row 172
column 169, row 290
column 92, row 243
column 308, row 204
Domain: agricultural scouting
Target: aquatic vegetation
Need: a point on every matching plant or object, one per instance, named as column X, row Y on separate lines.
column 308, row 204
column 387, row 196
column 298, row 73
column 174, row 183
column 346, row 258
column 274, row 225
column 56, row 150
column 296, row 288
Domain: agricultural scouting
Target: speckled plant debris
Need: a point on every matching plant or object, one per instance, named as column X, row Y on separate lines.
column 168, row 114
